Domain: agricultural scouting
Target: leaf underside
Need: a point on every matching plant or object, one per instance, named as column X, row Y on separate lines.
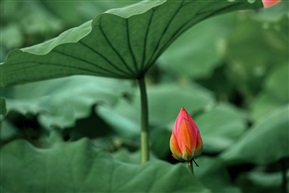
column 121, row 43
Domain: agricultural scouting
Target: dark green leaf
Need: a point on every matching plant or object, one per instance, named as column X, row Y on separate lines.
column 268, row 40
column 275, row 93
column 130, row 157
column 253, row 50
column 259, row 182
column 82, row 10
column 78, row 167
column 11, row 37
column 160, row 140
column 61, row 102
column 277, row 83
column 165, row 102
column 3, row 109
column 7, row 132
column 198, row 47
column 266, row 142
column 274, row 13
column 213, row 175
column 221, row 127
column 121, row 43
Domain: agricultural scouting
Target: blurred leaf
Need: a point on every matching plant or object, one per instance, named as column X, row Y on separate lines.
column 273, row 13
column 254, row 49
column 213, row 174
column 78, row 167
column 83, row 10
column 18, row 126
column 123, row 117
column 221, row 127
column 24, row 23
column 259, row 182
column 11, row 37
column 266, row 142
column 274, row 95
column 30, row 19
column 268, row 40
column 130, row 157
column 121, row 43
column 165, row 102
column 7, row 132
column 125, row 156
column 61, row 102
column 198, row 46
column 264, row 104
column 276, row 85
column 3, row 109
column 160, row 140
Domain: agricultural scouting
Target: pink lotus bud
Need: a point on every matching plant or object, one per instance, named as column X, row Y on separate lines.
column 269, row 3
column 186, row 142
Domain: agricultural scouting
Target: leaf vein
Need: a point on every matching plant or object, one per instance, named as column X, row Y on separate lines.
column 113, row 48
column 163, row 34
column 103, row 57
column 130, row 46
column 88, row 62
column 145, row 40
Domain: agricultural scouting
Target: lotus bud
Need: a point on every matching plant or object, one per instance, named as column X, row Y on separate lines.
column 186, row 143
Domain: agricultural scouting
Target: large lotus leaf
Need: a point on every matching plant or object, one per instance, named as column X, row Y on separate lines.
column 266, row 142
column 79, row 167
column 165, row 102
column 120, row 43
column 61, row 102
column 126, row 156
column 41, row 19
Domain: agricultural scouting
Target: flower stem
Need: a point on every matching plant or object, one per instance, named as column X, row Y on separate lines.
column 191, row 166
column 144, row 138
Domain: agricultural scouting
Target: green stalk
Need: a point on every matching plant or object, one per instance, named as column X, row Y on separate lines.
column 191, row 166
column 144, row 137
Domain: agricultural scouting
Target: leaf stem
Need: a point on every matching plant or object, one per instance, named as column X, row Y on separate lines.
column 144, row 137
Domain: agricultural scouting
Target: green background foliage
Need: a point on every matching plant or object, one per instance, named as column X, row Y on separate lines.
column 81, row 133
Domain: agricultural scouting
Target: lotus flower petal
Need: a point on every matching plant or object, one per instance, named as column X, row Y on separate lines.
column 269, row 3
